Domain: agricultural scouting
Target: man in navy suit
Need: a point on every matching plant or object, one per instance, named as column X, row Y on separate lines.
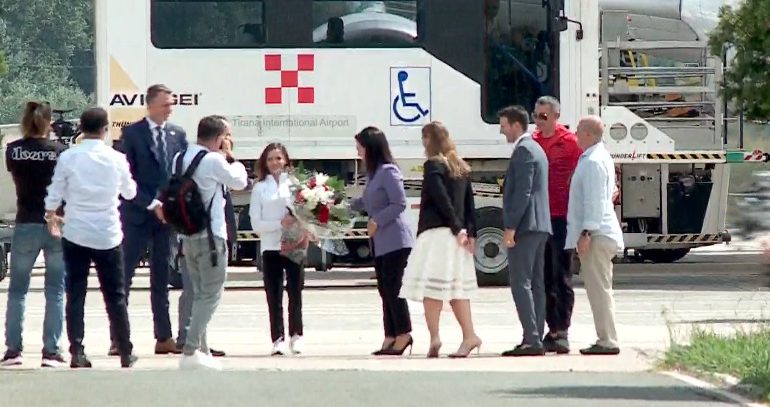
column 149, row 145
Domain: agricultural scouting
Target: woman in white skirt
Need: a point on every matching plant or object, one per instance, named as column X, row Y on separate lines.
column 440, row 267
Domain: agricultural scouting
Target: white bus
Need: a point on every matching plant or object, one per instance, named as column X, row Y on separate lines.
column 311, row 73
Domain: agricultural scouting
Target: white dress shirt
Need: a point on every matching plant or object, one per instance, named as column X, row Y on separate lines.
column 590, row 198
column 153, row 131
column 518, row 140
column 212, row 174
column 269, row 201
column 88, row 178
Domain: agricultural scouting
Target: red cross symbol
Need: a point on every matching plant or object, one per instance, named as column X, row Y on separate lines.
column 290, row 79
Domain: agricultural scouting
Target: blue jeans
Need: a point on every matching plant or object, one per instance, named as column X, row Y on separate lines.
column 28, row 240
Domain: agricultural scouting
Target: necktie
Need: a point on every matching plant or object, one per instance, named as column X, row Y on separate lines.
column 160, row 144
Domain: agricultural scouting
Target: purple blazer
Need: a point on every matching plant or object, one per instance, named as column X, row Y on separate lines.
column 384, row 200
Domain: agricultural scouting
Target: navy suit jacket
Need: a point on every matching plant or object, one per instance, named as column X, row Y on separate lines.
column 137, row 143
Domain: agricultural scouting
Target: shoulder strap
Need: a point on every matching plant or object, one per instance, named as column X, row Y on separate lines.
column 195, row 162
column 179, row 162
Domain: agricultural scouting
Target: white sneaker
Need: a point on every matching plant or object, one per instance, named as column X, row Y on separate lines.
column 279, row 348
column 11, row 359
column 297, row 344
column 199, row 360
column 53, row 360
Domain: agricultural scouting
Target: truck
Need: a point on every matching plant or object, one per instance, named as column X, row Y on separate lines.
column 312, row 73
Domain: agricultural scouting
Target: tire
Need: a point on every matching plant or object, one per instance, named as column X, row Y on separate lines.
column 491, row 255
column 663, row 255
column 316, row 260
column 175, row 273
column 3, row 262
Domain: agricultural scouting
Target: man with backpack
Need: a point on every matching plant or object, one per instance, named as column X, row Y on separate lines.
column 178, row 262
column 194, row 206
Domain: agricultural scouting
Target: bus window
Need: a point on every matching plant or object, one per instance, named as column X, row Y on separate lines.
column 364, row 23
column 520, row 55
column 207, row 24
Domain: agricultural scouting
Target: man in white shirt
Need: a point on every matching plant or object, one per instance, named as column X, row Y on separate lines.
column 593, row 229
column 185, row 300
column 89, row 177
column 217, row 170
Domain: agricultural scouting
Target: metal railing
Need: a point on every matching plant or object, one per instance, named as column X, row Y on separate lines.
column 681, row 100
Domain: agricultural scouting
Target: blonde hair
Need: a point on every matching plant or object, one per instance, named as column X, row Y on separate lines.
column 441, row 147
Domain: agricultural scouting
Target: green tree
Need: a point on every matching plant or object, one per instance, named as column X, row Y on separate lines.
column 39, row 39
column 3, row 66
column 743, row 32
column 204, row 24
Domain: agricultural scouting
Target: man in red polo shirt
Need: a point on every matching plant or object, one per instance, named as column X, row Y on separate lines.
column 562, row 150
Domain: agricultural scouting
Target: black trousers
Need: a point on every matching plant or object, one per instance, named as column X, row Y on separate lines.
column 273, row 267
column 389, row 269
column 560, row 298
column 136, row 240
column 109, row 270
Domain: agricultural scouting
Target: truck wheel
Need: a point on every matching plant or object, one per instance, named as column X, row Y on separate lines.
column 175, row 272
column 663, row 255
column 491, row 255
column 3, row 262
column 316, row 260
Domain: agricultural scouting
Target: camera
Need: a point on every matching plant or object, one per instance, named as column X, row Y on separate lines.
column 64, row 131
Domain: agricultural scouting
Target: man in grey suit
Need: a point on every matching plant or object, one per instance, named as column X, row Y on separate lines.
column 527, row 220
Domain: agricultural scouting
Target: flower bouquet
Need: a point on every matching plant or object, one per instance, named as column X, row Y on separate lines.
column 321, row 212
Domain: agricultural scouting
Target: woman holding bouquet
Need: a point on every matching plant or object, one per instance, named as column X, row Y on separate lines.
column 384, row 200
column 441, row 266
column 270, row 198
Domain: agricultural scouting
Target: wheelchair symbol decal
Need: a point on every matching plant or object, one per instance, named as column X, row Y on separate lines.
column 406, row 106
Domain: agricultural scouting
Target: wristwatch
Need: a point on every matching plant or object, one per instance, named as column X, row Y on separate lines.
column 47, row 217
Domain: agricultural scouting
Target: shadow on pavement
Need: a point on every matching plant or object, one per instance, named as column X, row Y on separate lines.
column 725, row 321
column 635, row 393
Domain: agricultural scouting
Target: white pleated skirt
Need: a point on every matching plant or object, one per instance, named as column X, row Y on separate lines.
column 439, row 268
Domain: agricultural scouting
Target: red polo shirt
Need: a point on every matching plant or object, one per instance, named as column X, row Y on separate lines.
column 563, row 153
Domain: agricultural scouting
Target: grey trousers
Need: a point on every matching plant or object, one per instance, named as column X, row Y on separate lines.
column 207, row 284
column 526, row 261
column 185, row 304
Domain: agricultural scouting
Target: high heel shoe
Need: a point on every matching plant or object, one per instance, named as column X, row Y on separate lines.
column 384, row 348
column 466, row 350
column 392, row 351
column 433, row 350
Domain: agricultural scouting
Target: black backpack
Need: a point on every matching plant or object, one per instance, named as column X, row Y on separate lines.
column 183, row 207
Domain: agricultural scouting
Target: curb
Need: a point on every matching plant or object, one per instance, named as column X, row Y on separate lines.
column 718, row 390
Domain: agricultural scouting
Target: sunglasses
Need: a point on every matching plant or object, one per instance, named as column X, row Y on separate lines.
column 542, row 116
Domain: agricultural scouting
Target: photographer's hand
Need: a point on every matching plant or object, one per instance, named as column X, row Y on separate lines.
column 227, row 150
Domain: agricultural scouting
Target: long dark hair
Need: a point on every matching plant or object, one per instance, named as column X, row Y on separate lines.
column 36, row 119
column 376, row 148
column 262, row 171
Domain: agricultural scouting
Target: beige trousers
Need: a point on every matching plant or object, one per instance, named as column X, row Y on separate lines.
column 596, row 271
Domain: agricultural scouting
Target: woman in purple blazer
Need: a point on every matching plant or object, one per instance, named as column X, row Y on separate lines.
column 384, row 200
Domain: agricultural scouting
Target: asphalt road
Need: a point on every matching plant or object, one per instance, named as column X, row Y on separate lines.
column 347, row 388
column 724, row 292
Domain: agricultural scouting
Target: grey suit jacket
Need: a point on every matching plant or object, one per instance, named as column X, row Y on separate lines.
column 525, row 191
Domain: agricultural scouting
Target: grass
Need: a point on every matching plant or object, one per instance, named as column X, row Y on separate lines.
column 745, row 355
